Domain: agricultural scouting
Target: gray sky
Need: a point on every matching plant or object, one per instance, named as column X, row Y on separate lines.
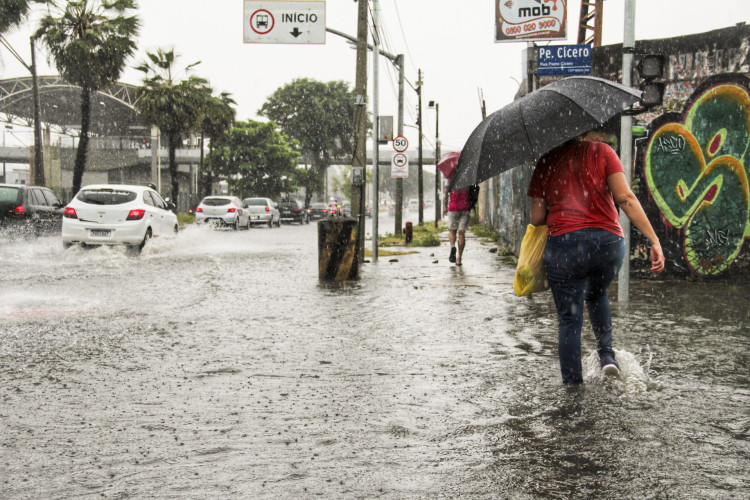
column 451, row 41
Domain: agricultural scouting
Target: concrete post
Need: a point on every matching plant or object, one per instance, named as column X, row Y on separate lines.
column 626, row 144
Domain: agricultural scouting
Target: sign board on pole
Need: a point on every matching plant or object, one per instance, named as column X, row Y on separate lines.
column 284, row 21
column 385, row 129
column 400, row 166
column 400, row 144
column 564, row 60
column 530, row 20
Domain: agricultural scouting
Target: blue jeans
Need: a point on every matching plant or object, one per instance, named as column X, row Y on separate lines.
column 580, row 266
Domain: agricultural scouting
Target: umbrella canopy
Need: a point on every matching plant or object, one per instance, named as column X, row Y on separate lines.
column 521, row 132
column 447, row 164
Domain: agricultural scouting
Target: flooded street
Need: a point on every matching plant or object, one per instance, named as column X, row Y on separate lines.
column 216, row 365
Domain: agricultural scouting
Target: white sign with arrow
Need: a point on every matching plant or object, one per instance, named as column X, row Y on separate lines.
column 284, row 21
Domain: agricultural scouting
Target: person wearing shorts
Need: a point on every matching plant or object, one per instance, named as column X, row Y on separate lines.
column 457, row 205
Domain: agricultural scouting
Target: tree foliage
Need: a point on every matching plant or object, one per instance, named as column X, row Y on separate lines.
column 256, row 159
column 12, row 12
column 90, row 41
column 320, row 117
column 218, row 118
column 175, row 106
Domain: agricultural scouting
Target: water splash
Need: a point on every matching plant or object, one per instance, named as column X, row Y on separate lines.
column 634, row 375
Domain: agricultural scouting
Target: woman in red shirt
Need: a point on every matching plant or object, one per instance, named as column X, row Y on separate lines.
column 574, row 189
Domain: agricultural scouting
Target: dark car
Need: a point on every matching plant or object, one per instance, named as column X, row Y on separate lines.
column 29, row 210
column 292, row 211
column 318, row 211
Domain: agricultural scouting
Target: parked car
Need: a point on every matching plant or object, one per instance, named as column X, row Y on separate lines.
column 29, row 210
column 292, row 211
column 222, row 211
column 112, row 214
column 413, row 205
column 318, row 211
column 262, row 211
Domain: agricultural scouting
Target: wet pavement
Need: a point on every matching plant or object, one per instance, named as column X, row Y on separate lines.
column 216, row 365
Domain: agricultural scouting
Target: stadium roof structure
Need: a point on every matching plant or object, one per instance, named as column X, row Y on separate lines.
column 113, row 110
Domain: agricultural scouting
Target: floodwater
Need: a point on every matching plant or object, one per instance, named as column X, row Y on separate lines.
column 216, row 365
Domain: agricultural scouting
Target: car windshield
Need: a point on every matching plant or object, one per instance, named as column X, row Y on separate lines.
column 256, row 202
column 104, row 196
column 9, row 194
column 216, row 202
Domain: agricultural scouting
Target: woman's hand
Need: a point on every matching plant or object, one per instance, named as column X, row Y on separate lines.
column 657, row 258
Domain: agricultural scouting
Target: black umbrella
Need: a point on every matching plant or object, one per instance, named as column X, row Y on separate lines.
column 525, row 129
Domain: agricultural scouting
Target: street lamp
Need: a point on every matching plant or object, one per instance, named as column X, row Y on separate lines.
column 434, row 105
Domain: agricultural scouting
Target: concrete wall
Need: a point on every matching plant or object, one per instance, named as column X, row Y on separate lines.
column 691, row 169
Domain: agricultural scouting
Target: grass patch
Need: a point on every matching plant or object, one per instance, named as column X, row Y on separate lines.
column 422, row 236
column 183, row 218
column 382, row 252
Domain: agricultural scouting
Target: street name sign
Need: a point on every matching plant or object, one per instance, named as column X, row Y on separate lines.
column 284, row 21
column 564, row 60
column 400, row 166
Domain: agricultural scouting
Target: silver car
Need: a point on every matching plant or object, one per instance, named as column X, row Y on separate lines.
column 262, row 211
column 224, row 211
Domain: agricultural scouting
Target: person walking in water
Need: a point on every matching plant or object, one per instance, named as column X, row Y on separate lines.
column 457, row 205
column 574, row 189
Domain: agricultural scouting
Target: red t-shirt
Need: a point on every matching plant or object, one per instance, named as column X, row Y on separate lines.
column 459, row 199
column 572, row 179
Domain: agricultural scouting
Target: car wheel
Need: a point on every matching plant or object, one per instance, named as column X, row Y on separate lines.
column 270, row 222
column 176, row 229
column 278, row 223
column 146, row 239
column 236, row 225
column 66, row 245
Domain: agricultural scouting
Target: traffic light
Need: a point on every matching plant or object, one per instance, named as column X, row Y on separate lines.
column 650, row 69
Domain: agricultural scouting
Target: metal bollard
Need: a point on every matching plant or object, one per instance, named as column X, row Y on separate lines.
column 337, row 256
column 408, row 232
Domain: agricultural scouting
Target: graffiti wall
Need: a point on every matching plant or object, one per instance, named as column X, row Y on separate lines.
column 691, row 169
column 695, row 173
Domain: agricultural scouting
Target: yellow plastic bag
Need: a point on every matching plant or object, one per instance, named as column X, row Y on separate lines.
column 530, row 275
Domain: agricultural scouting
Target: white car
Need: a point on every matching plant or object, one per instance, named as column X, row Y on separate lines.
column 117, row 214
column 262, row 211
column 222, row 211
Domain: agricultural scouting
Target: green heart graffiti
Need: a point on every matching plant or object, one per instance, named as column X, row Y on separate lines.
column 696, row 174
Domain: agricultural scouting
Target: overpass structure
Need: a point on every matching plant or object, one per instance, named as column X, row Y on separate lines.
column 121, row 148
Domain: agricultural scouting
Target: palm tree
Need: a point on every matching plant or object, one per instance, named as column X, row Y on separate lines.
column 173, row 106
column 218, row 118
column 90, row 41
column 12, row 12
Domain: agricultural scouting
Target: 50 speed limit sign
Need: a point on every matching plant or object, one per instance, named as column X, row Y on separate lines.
column 400, row 144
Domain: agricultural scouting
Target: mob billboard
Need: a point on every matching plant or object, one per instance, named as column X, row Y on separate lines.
column 530, row 20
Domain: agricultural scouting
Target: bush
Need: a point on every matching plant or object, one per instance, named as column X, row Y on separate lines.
column 183, row 219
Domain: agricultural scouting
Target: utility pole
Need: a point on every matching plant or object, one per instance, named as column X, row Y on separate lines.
column 399, row 181
column 437, row 159
column 38, row 176
column 360, row 126
column 376, row 118
column 420, row 182
column 626, row 143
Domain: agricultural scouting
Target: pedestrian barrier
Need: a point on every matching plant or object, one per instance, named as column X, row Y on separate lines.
column 337, row 256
